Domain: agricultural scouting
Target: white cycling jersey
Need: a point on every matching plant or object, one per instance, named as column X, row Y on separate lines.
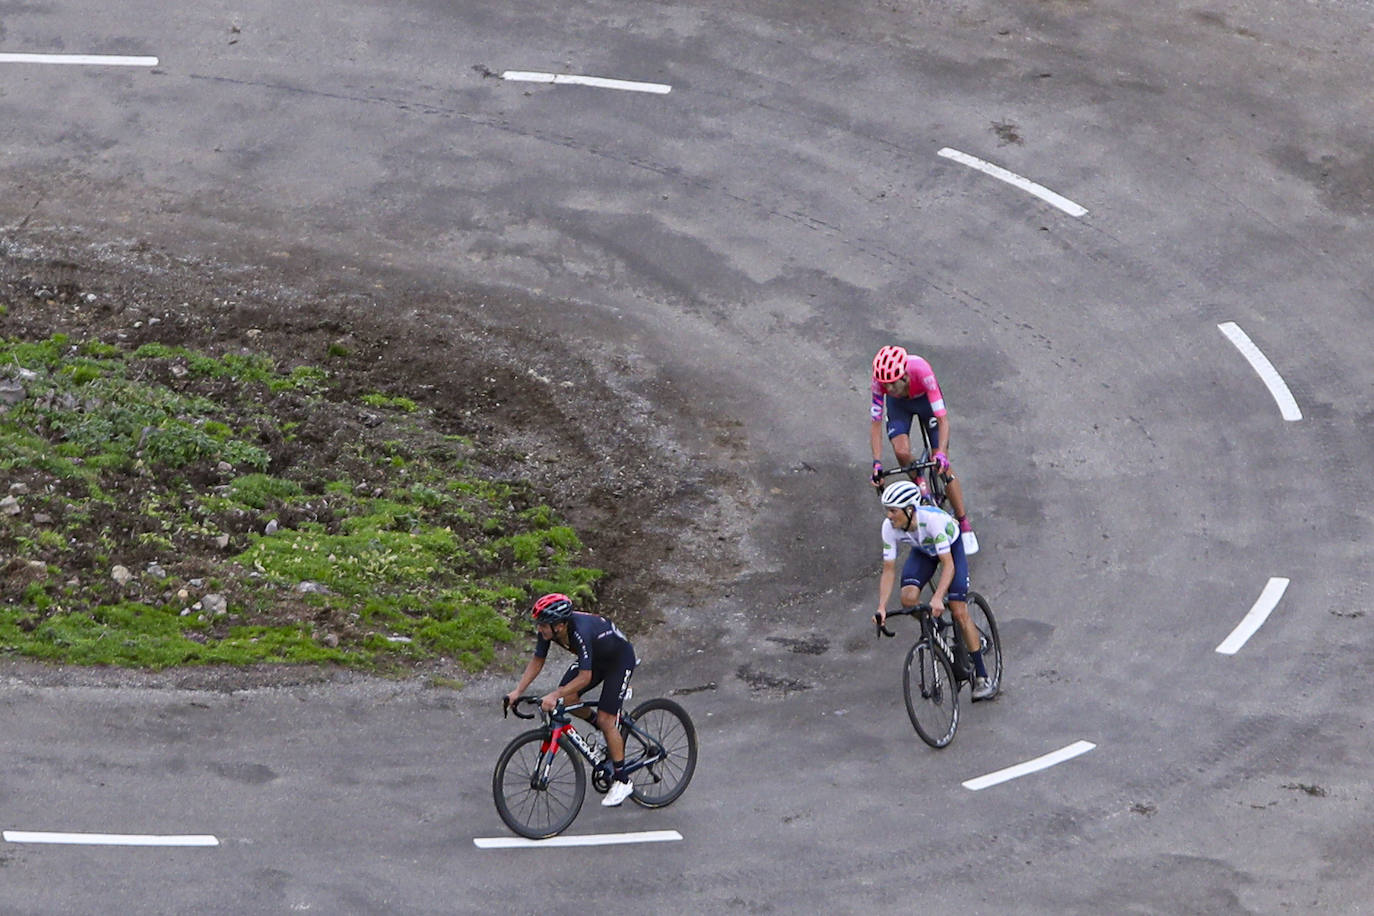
column 933, row 532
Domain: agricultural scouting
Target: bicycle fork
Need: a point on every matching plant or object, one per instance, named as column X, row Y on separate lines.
column 539, row 779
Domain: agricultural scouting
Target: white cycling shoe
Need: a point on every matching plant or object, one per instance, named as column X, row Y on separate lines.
column 618, row 792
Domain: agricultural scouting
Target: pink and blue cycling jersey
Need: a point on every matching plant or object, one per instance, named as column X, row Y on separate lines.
column 921, row 381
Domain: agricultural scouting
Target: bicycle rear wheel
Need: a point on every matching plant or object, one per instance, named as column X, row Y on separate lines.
column 668, row 724
column 932, row 695
column 981, row 614
column 538, row 794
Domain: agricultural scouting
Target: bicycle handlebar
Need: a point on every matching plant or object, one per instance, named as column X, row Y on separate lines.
column 508, row 707
column 902, row 612
column 559, row 711
column 907, row 469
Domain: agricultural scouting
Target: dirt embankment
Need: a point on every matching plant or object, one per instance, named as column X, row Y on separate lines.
column 661, row 520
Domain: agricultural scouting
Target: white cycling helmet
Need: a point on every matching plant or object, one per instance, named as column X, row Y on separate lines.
column 901, row 495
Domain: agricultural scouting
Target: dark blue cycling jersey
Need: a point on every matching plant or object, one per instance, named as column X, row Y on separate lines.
column 595, row 641
column 603, row 650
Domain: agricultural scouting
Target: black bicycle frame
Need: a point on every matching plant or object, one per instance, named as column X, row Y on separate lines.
column 558, row 725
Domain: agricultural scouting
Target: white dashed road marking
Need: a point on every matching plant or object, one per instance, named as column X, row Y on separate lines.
column 1264, row 605
column 1030, row 766
column 1267, row 373
column 1011, row 178
column 107, row 839
column 595, row 839
column 568, row 79
column 89, row 60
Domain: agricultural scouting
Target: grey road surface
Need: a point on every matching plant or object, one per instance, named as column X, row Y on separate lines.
column 748, row 240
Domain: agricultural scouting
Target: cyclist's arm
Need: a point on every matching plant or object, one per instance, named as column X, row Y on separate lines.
column 941, row 434
column 943, row 577
column 925, row 376
column 532, row 670
column 885, row 581
column 573, row 689
column 875, row 439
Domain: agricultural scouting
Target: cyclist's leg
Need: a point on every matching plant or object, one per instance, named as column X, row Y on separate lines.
column 899, row 421
column 568, row 675
column 954, row 490
column 916, row 572
column 616, row 682
column 958, row 607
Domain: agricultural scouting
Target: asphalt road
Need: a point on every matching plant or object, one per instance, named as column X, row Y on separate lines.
column 751, row 237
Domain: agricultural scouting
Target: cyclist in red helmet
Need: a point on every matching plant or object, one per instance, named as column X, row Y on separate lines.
column 604, row 656
column 904, row 386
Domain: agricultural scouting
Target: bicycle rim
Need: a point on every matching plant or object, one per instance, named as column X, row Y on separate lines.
column 667, row 725
column 544, row 809
column 932, row 695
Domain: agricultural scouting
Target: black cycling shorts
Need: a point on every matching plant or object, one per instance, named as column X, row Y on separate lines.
column 614, row 678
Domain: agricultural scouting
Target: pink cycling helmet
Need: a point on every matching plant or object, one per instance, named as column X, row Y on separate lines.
column 889, row 365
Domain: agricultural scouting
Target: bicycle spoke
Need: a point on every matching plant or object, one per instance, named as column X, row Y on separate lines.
column 662, row 733
column 932, row 696
column 537, row 808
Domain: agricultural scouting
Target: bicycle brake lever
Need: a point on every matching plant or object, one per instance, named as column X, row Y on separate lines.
column 505, row 707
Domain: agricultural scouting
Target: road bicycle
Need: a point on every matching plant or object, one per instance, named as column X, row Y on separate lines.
column 540, row 779
column 938, row 664
column 922, row 474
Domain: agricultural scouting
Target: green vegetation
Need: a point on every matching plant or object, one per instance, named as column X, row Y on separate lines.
column 169, row 507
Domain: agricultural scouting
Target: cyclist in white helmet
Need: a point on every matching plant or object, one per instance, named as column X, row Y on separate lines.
column 937, row 551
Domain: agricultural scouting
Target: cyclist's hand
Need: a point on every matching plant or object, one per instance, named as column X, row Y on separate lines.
column 508, row 701
column 879, row 618
column 937, row 606
column 877, row 477
column 941, row 462
column 549, row 702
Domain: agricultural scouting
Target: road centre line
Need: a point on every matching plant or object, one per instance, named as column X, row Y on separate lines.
column 592, row 839
column 100, row 60
column 1030, row 766
column 1011, row 178
column 107, row 839
column 600, row 82
column 1263, row 607
column 1267, row 373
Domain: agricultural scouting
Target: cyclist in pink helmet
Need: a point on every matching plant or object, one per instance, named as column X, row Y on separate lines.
column 904, row 387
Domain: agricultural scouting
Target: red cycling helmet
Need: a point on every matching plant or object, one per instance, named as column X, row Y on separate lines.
column 552, row 609
column 889, row 365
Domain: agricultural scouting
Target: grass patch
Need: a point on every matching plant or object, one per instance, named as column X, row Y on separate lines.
column 171, row 507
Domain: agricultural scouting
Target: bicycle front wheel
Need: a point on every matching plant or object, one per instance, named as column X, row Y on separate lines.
column 932, row 695
column 666, row 724
column 538, row 794
column 939, row 498
column 981, row 614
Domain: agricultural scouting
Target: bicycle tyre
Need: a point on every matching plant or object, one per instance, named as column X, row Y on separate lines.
column 939, row 498
column 932, row 694
column 933, row 482
column 661, row 784
column 980, row 612
column 538, row 813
